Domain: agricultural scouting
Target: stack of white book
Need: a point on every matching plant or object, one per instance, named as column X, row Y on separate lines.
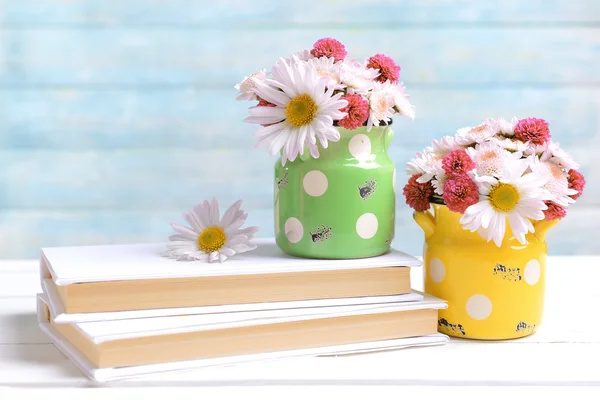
column 121, row 311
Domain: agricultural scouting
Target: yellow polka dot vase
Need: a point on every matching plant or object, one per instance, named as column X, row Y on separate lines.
column 342, row 204
column 493, row 293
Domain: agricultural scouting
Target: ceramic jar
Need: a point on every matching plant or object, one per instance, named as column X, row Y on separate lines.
column 341, row 204
column 492, row 292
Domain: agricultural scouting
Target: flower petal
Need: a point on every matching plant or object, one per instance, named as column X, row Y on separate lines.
column 184, row 231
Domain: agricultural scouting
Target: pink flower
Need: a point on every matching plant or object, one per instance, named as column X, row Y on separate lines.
column 577, row 182
column 329, row 47
column 460, row 192
column 554, row 211
column 457, row 162
column 418, row 194
column 264, row 103
column 388, row 70
column 534, row 130
column 357, row 109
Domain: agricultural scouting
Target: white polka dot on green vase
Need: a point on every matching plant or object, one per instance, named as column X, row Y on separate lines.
column 294, row 230
column 315, row 183
column 342, row 204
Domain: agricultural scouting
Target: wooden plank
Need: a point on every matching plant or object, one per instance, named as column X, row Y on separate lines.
column 218, row 58
column 86, row 121
column 259, row 13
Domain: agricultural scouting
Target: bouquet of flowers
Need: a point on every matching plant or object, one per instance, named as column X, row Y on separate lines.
column 304, row 98
column 496, row 172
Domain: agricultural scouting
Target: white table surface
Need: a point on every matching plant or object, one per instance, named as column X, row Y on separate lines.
column 564, row 352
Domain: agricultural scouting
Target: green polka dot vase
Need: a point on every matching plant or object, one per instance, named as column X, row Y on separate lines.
column 342, row 204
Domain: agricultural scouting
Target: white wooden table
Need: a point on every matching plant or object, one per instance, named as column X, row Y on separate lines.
column 563, row 353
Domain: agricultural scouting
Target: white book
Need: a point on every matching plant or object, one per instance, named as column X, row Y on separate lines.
column 75, row 340
column 62, row 317
column 101, row 263
column 116, row 278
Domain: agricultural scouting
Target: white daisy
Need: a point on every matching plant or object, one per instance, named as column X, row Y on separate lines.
column 471, row 135
column 357, row 78
column 431, row 167
column 303, row 55
column 557, row 180
column 400, row 103
column 304, row 110
column 553, row 153
column 381, row 105
column 438, row 182
column 490, row 158
column 327, row 67
column 210, row 239
column 416, row 166
column 445, row 145
column 502, row 127
column 516, row 197
column 514, row 146
column 246, row 86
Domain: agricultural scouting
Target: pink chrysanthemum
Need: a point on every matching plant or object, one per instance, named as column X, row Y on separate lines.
column 357, row 109
column 418, row 194
column 460, row 192
column 264, row 103
column 457, row 162
column 576, row 182
column 329, row 47
column 388, row 70
column 554, row 211
column 533, row 130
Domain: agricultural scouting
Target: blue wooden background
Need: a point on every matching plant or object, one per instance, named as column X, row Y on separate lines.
column 115, row 116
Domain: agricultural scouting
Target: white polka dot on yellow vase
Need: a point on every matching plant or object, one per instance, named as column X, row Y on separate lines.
column 479, row 306
column 532, row 272
column 366, row 225
column 360, row 146
column 293, row 230
column 437, row 270
column 315, row 183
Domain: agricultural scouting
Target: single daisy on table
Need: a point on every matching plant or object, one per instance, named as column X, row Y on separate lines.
column 209, row 238
column 514, row 197
column 304, row 110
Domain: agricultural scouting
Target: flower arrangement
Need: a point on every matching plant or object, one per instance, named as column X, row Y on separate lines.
column 496, row 172
column 302, row 99
column 209, row 237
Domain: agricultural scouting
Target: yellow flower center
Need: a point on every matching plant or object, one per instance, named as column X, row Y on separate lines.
column 504, row 197
column 211, row 239
column 301, row 110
